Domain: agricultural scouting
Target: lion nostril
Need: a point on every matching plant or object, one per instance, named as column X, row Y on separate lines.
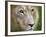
column 31, row 24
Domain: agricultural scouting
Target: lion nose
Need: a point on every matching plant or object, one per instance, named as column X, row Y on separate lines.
column 30, row 20
column 31, row 25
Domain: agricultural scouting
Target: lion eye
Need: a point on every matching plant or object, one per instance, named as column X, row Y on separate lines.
column 32, row 10
column 21, row 11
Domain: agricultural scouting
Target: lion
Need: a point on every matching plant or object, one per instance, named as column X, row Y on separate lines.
column 23, row 18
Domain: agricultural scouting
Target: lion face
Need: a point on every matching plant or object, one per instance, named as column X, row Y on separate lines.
column 24, row 17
